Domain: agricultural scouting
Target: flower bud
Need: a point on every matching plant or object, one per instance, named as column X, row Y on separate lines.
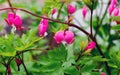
column 54, row 11
column 90, row 46
column 18, row 62
column 59, row 37
column 69, row 37
column 71, row 9
column 43, row 26
column 116, row 12
column 84, row 11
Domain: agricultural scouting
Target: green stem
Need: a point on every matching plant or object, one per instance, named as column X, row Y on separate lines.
column 10, row 4
column 91, row 17
column 24, row 65
column 60, row 10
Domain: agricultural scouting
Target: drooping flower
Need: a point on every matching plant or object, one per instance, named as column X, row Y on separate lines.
column 14, row 19
column 59, row 37
column 43, row 26
column 69, row 37
column 18, row 61
column 54, row 11
column 71, row 9
column 110, row 8
column 116, row 12
column 91, row 45
column 66, row 36
column 84, row 11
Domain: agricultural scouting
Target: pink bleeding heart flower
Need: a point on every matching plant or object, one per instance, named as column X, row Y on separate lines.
column 59, row 37
column 54, row 10
column 103, row 73
column 15, row 20
column 71, row 9
column 84, row 11
column 43, row 26
column 91, row 45
column 66, row 36
column 111, row 8
column 69, row 37
column 116, row 12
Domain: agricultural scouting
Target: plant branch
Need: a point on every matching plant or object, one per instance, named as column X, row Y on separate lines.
column 4, row 63
column 73, row 25
column 24, row 64
column 18, row 53
column 10, row 4
column 79, row 56
column 91, row 17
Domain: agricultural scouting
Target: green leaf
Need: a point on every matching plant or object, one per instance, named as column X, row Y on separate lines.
column 2, row 1
column 71, row 70
column 28, row 40
column 58, row 54
column 115, row 18
column 88, row 67
column 116, row 27
column 50, row 67
column 7, row 45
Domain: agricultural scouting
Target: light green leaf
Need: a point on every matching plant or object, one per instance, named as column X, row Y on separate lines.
column 116, row 27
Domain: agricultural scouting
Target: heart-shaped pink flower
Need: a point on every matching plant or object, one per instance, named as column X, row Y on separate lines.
column 66, row 36
column 15, row 20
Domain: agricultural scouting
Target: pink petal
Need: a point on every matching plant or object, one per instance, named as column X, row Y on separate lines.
column 17, row 21
column 110, row 8
column 69, row 37
column 116, row 12
column 59, row 37
column 91, row 45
